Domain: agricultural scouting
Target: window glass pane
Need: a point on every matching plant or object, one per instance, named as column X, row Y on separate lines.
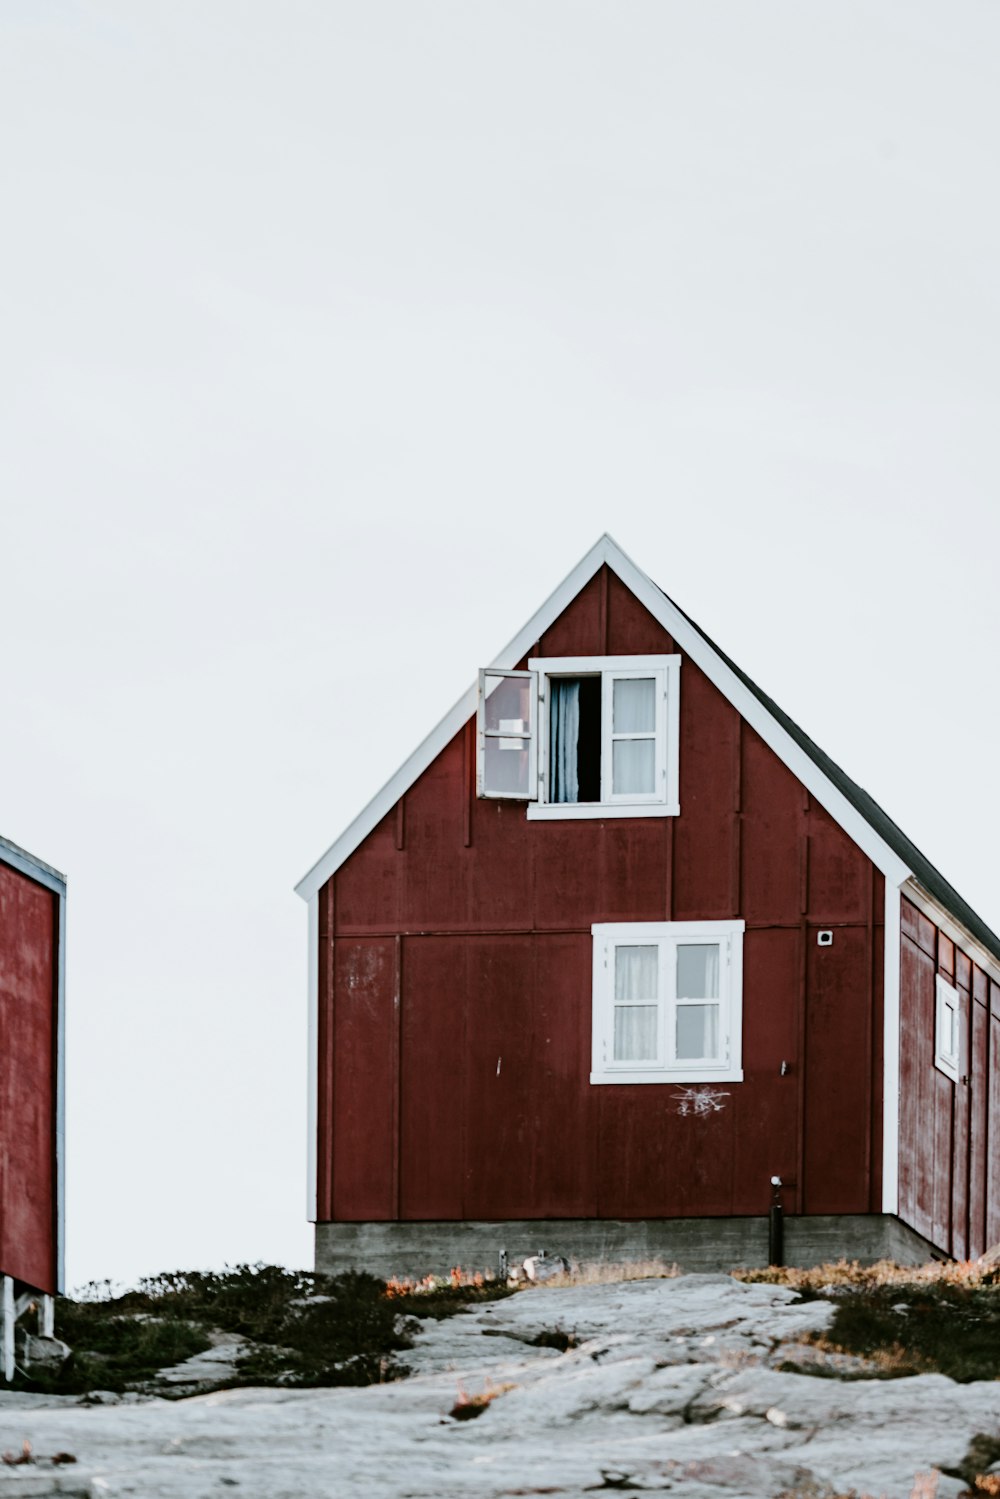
column 505, row 766
column 633, row 766
column 698, row 970
column 636, row 972
column 697, row 1031
column 635, row 706
column 949, row 1031
column 508, row 704
column 635, row 1033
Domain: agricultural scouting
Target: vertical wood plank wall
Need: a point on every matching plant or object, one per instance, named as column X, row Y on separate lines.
column 455, row 988
column 949, row 1147
column 28, row 947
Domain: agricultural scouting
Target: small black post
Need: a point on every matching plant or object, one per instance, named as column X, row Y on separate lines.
column 776, row 1226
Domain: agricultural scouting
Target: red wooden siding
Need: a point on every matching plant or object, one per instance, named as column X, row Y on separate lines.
column 28, row 946
column 455, row 988
column 949, row 1148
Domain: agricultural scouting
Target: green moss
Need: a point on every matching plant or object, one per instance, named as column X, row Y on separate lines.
column 114, row 1352
column 301, row 1328
column 939, row 1318
column 945, row 1328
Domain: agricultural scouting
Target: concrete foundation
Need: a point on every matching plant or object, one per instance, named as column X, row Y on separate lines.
column 418, row 1249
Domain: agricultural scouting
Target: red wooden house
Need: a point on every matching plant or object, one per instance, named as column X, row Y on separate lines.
column 32, row 1006
column 618, row 946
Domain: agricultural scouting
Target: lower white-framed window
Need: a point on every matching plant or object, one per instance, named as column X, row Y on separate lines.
column 668, row 1002
column 947, row 1009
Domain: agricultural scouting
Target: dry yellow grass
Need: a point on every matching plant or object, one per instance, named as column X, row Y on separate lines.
column 869, row 1277
column 606, row 1273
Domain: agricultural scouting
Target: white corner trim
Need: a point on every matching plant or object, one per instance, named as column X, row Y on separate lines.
column 691, row 643
column 890, row 1052
column 963, row 939
column 60, row 1122
column 312, row 1081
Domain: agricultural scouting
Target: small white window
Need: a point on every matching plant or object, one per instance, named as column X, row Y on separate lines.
column 668, row 1002
column 946, row 1029
column 582, row 736
column 507, row 759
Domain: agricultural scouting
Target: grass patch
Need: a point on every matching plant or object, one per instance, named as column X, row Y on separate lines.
column 302, row 1329
column 936, row 1318
column 437, row 1297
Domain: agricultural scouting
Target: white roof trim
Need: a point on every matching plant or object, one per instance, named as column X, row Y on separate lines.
column 692, row 644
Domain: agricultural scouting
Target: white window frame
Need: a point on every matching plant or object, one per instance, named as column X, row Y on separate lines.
column 947, row 1002
column 665, row 802
column 667, row 936
column 530, row 739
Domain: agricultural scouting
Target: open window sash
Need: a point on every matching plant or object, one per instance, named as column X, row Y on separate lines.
column 507, row 735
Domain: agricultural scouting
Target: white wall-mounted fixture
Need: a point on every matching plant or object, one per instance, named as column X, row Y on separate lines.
column 824, row 939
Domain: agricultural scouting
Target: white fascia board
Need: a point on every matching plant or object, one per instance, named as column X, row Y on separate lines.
column 946, row 922
column 386, row 799
column 816, row 782
column 603, row 551
column 606, row 550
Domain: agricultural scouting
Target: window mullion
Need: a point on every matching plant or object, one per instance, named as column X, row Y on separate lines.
column 668, row 981
column 610, row 958
column 725, row 970
column 607, row 737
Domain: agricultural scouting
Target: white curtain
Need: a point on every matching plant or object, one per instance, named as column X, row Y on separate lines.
column 635, row 705
column 634, row 760
column 634, row 763
column 635, row 1033
column 636, row 973
column 636, row 979
column 564, row 736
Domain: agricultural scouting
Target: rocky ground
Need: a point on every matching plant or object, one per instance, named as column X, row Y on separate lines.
column 664, row 1386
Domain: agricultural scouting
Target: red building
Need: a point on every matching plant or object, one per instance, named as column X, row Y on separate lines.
column 32, row 1010
column 617, row 946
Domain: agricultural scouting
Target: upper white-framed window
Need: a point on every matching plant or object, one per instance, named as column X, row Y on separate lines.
column 668, row 1002
column 582, row 736
column 947, row 1044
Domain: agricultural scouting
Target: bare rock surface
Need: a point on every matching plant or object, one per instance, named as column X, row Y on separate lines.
column 666, row 1386
column 215, row 1366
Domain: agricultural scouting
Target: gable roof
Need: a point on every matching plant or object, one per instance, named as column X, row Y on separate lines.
column 849, row 804
column 36, row 869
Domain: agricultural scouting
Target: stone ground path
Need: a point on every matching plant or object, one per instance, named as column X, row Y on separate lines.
column 670, row 1387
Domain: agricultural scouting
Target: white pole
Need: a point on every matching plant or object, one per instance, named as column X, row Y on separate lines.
column 48, row 1317
column 9, row 1316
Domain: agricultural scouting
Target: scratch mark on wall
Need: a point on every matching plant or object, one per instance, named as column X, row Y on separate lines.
column 699, row 1101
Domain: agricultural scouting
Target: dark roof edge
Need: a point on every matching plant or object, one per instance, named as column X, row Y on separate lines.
column 924, row 872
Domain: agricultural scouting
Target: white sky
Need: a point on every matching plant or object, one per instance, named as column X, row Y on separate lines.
column 332, row 336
